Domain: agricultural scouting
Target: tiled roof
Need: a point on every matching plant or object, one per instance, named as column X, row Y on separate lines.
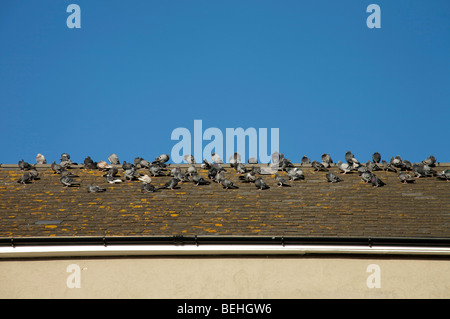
column 310, row 207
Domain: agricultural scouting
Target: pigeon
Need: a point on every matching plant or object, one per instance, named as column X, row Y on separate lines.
column 396, row 161
column 199, row 180
column 155, row 170
column 305, row 160
column 57, row 169
column 25, row 178
column 366, row 177
column 227, row 184
column 95, row 189
column 349, row 157
column 114, row 159
column 295, row 174
column 372, row 166
column 388, row 167
column 430, row 161
column 252, row 160
column 344, row 167
column 144, row 163
column 34, row 174
column 444, row 175
column 189, row 159
column 406, row 165
column 240, row 168
column 363, row 169
column 65, row 160
column 235, row 159
column 281, row 181
column 161, row 159
column 376, row 158
column 421, row 170
column 148, row 188
column 405, row 178
column 131, row 174
column 24, row 166
column 260, row 184
column 191, row 170
column 285, row 163
column 89, row 163
column 332, row 178
column 206, row 165
column 170, row 184
column 216, row 158
column 112, row 180
column 326, row 160
column 68, row 181
column 376, row 182
column 248, row 177
column 219, row 177
column 111, row 171
column 103, row 165
column 40, row 159
column 65, row 172
column 318, row 166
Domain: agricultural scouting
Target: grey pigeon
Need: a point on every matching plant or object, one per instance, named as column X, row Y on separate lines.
column 131, row 174
column 260, row 184
column 295, row 174
column 89, row 163
column 95, row 189
column 227, row 184
column 281, row 181
column 326, row 158
column 24, row 166
column 376, row 182
column 113, row 180
column 126, row 165
column 216, row 158
column 144, row 163
column 191, row 170
column 396, row 161
column 305, row 160
column 405, row 178
column 376, row 158
column 163, row 158
column 34, row 174
column 366, row 177
column 148, row 188
column 25, row 178
column 170, row 184
column 252, row 160
column 189, row 159
column 234, row 159
column 332, row 178
column 430, row 161
column 206, row 165
column 240, row 168
column 155, row 170
column 318, row 166
column 248, row 177
column 68, row 181
column 199, row 180
column 372, row 166
column 344, row 167
column 388, row 167
column 113, row 159
column 57, row 169
column 444, row 175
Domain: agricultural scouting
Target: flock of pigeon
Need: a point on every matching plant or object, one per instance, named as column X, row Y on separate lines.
column 407, row 172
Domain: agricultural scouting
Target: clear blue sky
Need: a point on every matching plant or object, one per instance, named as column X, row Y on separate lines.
column 138, row 69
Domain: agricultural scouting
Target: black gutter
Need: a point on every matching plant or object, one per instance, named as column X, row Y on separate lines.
column 222, row 240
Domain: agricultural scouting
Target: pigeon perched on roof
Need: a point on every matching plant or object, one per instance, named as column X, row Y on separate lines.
column 206, row 165
column 103, row 165
column 25, row 178
column 126, row 165
column 68, row 181
column 388, row 166
column 161, row 159
column 260, row 184
column 376, row 158
column 145, row 179
column 396, row 161
column 326, row 160
column 344, row 167
column 227, row 184
column 89, row 163
column 444, row 175
column 421, row 170
column 24, row 166
column 66, row 161
column 235, row 159
column 170, row 184
column 372, row 166
column 95, row 189
column 216, row 158
column 376, row 182
column 114, row 159
column 249, row 177
column 332, row 178
column 366, row 177
column 252, row 160
column 144, row 163
column 148, row 188
column 295, row 173
column 281, row 181
column 305, row 160
column 155, row 170
column 113, row 180
column 405, row 178
column 318, row 166
column 430, row 161
column 131, row 174
column 57, row 169
column 190, row 170
column 34, row 174
column 199, row 180
column 189, row 159
column 40, row 159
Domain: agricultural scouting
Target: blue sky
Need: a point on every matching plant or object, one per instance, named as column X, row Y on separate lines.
column 136, row 70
